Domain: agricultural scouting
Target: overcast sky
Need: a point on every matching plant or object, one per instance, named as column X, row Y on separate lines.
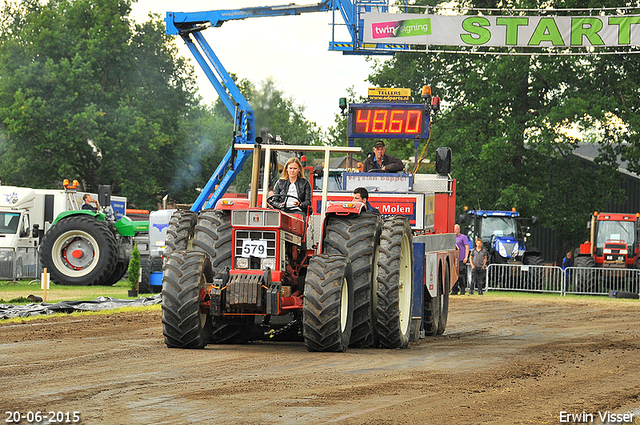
column 293, row 50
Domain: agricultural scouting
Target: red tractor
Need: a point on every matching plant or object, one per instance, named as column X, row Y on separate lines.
column 614, row 245
column 338, row 278
column 614, row 242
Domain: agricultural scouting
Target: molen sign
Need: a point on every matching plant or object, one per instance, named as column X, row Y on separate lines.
column 504, row 31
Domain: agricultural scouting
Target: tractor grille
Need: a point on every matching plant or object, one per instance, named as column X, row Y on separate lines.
column 260, row 218
column 508, row 246
column 255, row 263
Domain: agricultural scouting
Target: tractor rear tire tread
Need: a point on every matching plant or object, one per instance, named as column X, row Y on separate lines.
column 213, row 234
column 180, row 231
column 392, row 333
column 357, row 237
column 323, row 313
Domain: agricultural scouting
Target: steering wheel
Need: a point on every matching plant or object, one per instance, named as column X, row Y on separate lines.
column 377, row 170
column 281, row 206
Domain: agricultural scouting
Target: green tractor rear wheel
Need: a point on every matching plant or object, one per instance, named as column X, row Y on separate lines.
column 79, row 250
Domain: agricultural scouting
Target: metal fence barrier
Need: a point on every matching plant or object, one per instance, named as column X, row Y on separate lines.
column 583, row 280
column 517, row 277
column 21, row 263
column 573, row 280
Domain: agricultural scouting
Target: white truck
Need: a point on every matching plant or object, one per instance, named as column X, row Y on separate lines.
column 25, row 215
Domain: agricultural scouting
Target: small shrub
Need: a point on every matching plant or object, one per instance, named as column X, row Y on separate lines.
column 134, row 268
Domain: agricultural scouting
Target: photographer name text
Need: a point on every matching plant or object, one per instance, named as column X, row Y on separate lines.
column 604, row 417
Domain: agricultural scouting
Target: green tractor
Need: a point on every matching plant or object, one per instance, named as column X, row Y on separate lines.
column 83, row 247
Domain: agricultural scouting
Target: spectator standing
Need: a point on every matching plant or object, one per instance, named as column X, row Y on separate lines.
column 380, row 161
column 566, row 263
column 478, row 258
column 462, row 242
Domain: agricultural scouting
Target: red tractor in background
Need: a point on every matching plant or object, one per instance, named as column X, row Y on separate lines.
column 614, row 245
column 614, row 242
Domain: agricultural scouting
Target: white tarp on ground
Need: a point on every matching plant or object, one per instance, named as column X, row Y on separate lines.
column 8, row 311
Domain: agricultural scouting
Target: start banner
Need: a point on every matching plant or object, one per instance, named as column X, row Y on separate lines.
column 503, row 31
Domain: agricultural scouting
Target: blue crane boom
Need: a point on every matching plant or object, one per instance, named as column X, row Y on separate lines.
column 189, row 26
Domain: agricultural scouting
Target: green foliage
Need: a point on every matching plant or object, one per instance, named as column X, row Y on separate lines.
column 134, row 268
column 87, row 94
column 278, row 115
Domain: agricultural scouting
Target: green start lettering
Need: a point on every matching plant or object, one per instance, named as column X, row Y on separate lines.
column 478, row 34
column 547, row 30
column 512, row 25
column 586, row 27
column 624, row 23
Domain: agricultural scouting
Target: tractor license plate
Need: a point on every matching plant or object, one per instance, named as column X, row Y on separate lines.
column 254, row 249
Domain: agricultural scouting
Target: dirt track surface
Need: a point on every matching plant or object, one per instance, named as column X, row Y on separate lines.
column 500, row 361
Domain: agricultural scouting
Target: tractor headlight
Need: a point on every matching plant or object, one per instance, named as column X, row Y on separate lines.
column 242, row 263
column 268, row 262
column 514, row 251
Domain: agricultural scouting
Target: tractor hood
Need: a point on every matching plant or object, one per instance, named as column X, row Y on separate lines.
column 507, row 246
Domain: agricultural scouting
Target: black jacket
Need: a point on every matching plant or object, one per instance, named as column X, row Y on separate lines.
column 392, row 164
column 302, row 186
column 89, row 207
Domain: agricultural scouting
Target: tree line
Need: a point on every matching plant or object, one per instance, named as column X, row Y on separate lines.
column 87, row 93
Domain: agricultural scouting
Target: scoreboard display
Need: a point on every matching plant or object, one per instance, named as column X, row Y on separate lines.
column 403, row 121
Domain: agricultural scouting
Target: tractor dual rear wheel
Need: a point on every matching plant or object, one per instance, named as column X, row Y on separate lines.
column 184, row 324
column 327, row 314
column 79, row 250
column 357, row 238
column 395, row 283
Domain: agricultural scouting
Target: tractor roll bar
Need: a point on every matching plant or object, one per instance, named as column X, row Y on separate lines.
column 298, row 148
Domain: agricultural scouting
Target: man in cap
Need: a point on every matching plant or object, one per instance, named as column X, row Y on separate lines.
column 382, row 162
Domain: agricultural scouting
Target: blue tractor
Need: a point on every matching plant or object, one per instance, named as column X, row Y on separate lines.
column 503, row 235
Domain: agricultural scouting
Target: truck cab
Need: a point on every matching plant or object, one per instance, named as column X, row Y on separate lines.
column 17, row 242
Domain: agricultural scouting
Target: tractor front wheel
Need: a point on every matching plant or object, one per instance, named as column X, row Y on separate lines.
column 357, row 238
column 535, row 274
column 79, row 250
column 586, row 281
column 184, row 323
